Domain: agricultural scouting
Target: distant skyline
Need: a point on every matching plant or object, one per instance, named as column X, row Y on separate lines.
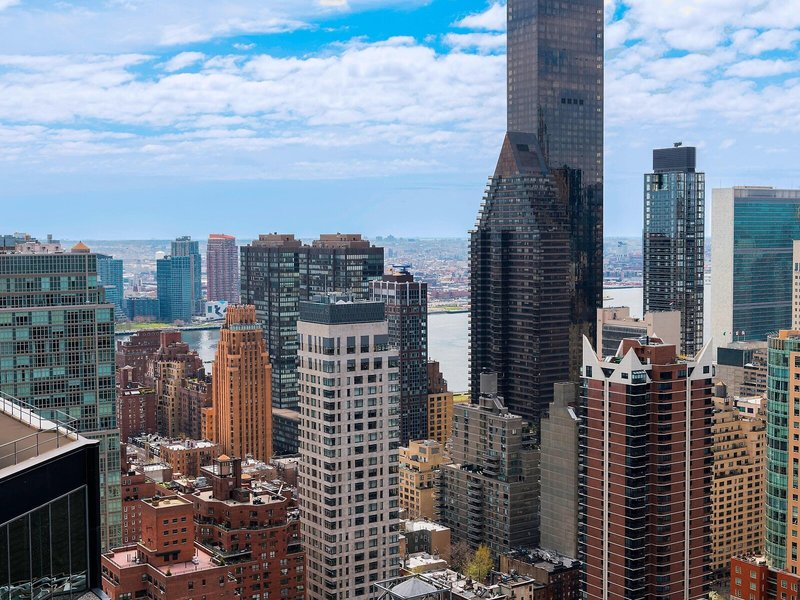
column 129, row 119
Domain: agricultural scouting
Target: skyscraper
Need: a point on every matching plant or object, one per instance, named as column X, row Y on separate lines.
column 674, row 241
column 751, row 260
column 57, row 352
column 406, row 304
column 241, row 410
column 278, row 271
column 645, row 473
column 175, row 295
column 184, row 246
column 350, row 403
column 109, row 275
column 537, row 250
column 222, row 268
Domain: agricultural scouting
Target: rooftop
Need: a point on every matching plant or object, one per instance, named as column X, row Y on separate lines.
column 126, row 558
column 421, row 525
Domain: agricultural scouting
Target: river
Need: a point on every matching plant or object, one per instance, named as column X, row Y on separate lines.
column 448, row 336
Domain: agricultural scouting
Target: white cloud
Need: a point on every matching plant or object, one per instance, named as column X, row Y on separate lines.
column 762, row 68
column 492, row 19
column 483, row 42
column 4, row 4
column 180, row 61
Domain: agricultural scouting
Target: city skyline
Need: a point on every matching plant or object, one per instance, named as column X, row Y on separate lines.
column 410, row 139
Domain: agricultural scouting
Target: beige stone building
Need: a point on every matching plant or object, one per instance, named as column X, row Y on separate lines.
column 440, row 405
column 615, row 324
column 420, row 476
column 739, row 467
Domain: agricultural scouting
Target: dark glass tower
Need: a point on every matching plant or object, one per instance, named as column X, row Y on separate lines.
column 674, row 241
column 406, row 303
column 528, row 319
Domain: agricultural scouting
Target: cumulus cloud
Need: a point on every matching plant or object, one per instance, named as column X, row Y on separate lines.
column 483, row 42
column 180, row 61
column 492, row 19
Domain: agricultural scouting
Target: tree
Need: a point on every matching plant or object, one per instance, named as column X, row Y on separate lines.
column 460, row 555
column 481, row 564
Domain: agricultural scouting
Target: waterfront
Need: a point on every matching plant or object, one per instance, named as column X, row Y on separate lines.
column 448, row 336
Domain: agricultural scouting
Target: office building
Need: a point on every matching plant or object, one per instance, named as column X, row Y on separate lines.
column 673, row 244
column 109, row 275
column 222, row 268
column 193, row 544
column 406, row 304
column 742, row 367
column 753, row 229
column 57, row 352
column 285, row 431
column 737, row 525
column 50, row 513
column 536, row 253
column 142, row 308
column 278, row 271
column 644, row 530
column 782, row 505
column 420, row 473
column 558, row 499
column 241, row 410
column 174, row 277
column 184, row 246
column 490, row 494
column 440, row 405
column 615, row 324
column 349, row 433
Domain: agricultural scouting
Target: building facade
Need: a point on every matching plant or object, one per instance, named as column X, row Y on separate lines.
column 537, row 251
column 420, row 474
column 490, row 493
column 742, row 367
column 184, row 246
column 753, row 230
column 645, row 480
column 175, row 280
column 349, row 437
column 615, row 324
column 109, row 275
column 50, row 513
column 737, row 526
column 57, row 352
column 241, row 410
column 406, row 304
column 673, row 244
column 440, row 405
column 558, row 499
column 222, row 268
column 278, row 271
column 135, row 487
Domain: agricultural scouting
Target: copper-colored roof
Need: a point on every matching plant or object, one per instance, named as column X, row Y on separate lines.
column 224, row 458
column 80, row 247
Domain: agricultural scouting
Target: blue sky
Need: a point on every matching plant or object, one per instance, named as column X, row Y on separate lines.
column 149, row 118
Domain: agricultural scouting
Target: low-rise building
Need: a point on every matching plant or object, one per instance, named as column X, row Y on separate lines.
column 229, row 541
column 753, row 579
column 188, row 456
column 420, row 536
column 559, row 575
column 136, row 486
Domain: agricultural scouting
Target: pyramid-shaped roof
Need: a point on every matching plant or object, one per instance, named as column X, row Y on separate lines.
column 413, row 588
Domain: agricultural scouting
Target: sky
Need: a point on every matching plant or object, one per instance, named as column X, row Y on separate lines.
column 147, row 119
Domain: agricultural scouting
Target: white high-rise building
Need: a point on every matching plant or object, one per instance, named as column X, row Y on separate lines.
column 349, row 393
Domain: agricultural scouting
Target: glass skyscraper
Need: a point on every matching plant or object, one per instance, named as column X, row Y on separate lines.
column 751, row 262
column 184, row 246
column 674, row 241
column 174, row 278
column 109, row 275
column 57, row 353
column 533, row 299
column 278, row 271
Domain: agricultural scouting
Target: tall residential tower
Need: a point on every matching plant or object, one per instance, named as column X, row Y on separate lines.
column 674, row 241
column 222, row 267
column 537, row 250
column 406, row 303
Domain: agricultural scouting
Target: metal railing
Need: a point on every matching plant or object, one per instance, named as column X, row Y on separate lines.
column 50, row 432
